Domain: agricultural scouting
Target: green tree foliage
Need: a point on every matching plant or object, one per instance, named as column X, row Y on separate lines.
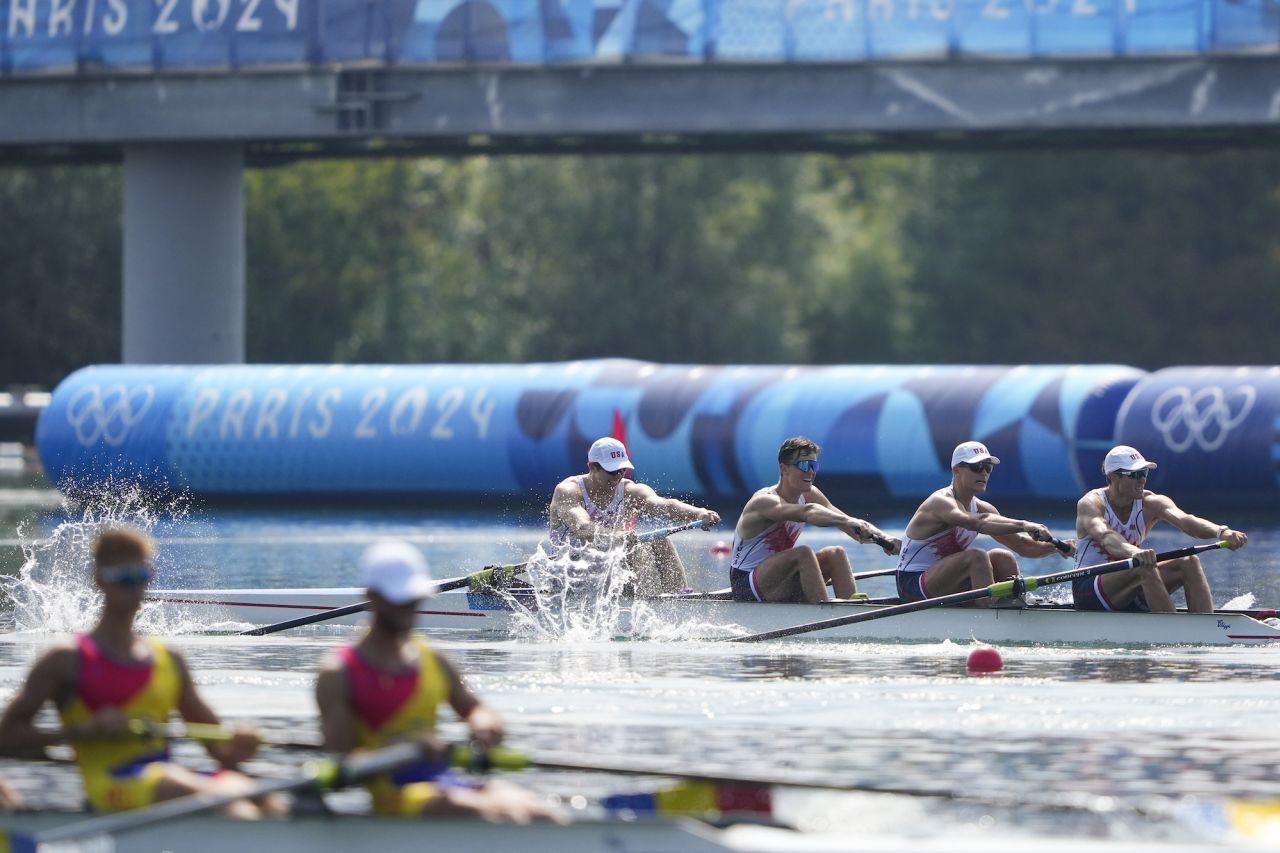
column 1144, row 258
column 1093, row 256
column 60, row 258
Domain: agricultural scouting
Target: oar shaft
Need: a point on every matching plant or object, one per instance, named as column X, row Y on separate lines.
column 322, row 774
column 664, row 532
column 210, row 732
column 875, row 574
column 311, row 618
column 1037, row 581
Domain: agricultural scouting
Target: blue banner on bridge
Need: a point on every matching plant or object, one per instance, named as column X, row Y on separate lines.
column 93, row 36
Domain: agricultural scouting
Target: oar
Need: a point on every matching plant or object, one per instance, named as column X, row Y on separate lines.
column 502, row 758
column 996, row 590
column 319, row 775
column 485, row 575
column 210, row 732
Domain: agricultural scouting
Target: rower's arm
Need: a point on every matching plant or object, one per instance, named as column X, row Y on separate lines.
column 567, row 509
column 1164, row 509
column 1007, row 531
column 193, row 709
column 485, row 723
column 337, row 722
column 670, row 508
column 856, row 528
column 49, row 679
column 818, row 512
column 1091, row 522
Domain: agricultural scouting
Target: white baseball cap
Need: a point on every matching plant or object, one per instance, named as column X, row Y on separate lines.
column 397, row 571
column 610, row 454
column 971, row 451
column 1124, row 458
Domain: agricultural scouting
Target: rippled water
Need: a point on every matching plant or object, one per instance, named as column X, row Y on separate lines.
column 1149, row 728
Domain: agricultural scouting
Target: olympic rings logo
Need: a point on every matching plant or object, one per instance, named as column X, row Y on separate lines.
column 1204, row 417
column 108, row 413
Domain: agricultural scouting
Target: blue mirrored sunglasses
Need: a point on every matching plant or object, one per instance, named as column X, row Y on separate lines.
column 1140, row 474
column 808, row 466
column 136, row 574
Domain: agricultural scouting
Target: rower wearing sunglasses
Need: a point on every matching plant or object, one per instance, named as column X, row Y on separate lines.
column 1113, row 523
column 105, row 682
column 767, row 564
column 938, row 552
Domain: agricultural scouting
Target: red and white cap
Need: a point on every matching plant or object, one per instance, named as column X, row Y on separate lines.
column 1122, row 457
column 610, row 454
column 971, row 451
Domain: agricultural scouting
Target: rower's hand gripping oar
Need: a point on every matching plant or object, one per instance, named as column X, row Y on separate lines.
column 996, row 590
column 319, row 775
column 483, row 577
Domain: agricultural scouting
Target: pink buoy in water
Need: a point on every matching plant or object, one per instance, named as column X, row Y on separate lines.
column 985, row 659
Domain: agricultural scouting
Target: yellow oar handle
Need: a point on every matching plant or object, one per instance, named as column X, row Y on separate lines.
column 486, row 576
column 196, row 731
column 494, row 758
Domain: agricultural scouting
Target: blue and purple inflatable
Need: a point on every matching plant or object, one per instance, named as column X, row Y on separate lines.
column 516, row 430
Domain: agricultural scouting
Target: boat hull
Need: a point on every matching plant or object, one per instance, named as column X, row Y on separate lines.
column 717, row 618
column 311, row 833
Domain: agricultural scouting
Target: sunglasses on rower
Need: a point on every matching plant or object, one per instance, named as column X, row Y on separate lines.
column 808, row 466
column 1140, row 474
column 975, row 467
column 134, row 574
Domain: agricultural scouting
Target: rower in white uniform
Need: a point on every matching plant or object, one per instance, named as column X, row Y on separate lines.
column 767, row 563
column 601, row 506
column 938, row 552
column 1113, row 523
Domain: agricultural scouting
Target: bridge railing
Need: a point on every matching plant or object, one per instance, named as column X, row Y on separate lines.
column 109, row 36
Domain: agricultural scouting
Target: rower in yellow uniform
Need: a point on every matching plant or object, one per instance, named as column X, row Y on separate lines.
column 387, row 688
column 104, row 681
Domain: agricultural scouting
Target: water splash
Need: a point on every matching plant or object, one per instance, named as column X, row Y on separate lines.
column 53, row 592
column 1243, row 601
column 587, row 596
column 575, row 595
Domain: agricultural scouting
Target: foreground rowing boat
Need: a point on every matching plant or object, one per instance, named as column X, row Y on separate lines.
column 713, row 616
column 323, row 832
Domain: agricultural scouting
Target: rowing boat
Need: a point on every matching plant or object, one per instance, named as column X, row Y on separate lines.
column 324, row 832
column 714, row 616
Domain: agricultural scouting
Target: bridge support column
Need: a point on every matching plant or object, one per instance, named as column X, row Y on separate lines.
column 183, row 254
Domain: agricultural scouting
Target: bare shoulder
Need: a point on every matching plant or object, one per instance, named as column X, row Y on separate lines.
column 331, row 663
column 1156, row 505
column 632, row 489
column 762, row 499
column 56, row 667
column 568, row 487
column 941, row 500
column 62, row 656
column 1089, row 502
